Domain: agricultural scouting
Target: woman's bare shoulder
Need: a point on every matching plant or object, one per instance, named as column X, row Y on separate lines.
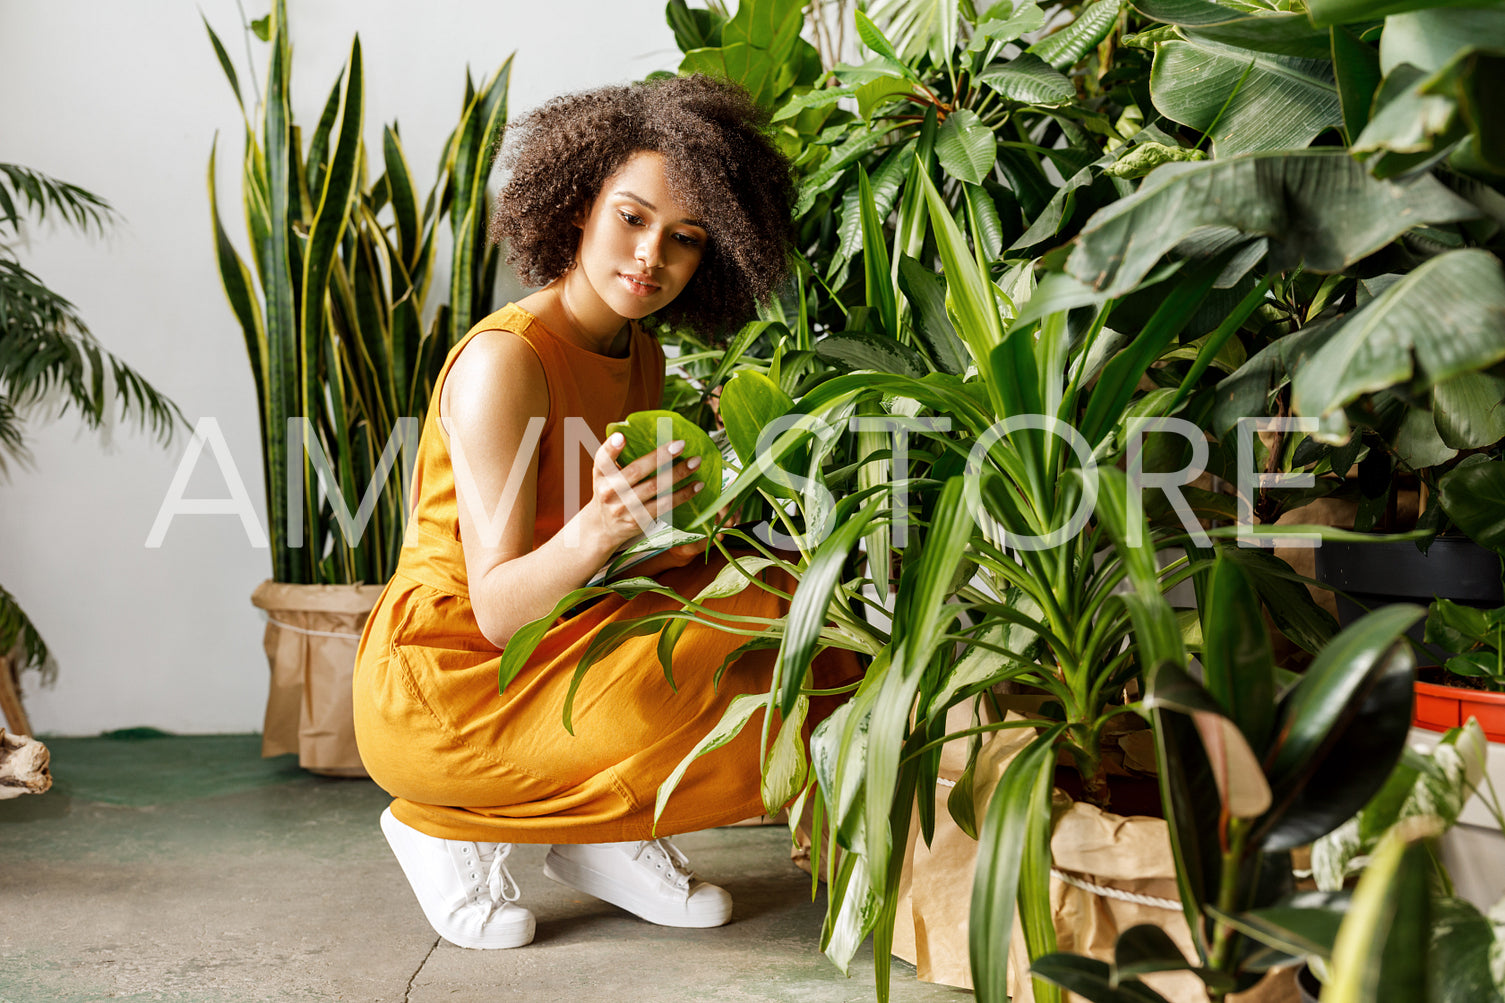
column 497, row 374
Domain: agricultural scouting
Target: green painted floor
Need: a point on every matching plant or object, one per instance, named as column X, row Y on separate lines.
column 189, row 870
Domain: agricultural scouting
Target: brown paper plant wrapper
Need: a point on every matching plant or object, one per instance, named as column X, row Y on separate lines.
column 311, row 635
column 1126, row 859
column 23, row 766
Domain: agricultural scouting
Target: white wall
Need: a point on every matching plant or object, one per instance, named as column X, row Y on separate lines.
column 125, row 99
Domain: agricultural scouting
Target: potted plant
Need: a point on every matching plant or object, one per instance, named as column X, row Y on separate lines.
column 44, row 346
column 343, row 364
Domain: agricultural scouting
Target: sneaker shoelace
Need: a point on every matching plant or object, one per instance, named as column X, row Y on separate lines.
column 679, row 874
column 498, row 879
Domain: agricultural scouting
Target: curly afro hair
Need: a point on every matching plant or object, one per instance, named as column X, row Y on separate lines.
column 718, row 158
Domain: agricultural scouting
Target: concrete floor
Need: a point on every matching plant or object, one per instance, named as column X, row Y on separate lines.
column 188, row 869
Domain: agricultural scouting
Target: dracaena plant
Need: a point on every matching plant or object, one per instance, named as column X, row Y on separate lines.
column 1289, row 762
column 334, row 318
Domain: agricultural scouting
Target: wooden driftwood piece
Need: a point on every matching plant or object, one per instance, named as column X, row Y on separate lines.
column 23, row 766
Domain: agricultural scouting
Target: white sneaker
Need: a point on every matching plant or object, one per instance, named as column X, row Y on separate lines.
column 649, row 879
column 465, row 889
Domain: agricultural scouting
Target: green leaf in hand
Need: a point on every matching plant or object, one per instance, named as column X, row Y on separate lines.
column 645, row 431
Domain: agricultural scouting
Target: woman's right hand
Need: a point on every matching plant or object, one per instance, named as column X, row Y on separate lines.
column 625, row 500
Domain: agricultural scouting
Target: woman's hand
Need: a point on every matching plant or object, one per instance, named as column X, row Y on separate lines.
column 626, row 500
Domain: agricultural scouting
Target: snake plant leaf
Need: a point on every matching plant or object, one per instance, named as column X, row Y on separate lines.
column 1028, row 79
column 1341, row 730
column 1439, row 321
column 1063, row 48
column 1319, row 209
column 1245, row 101
column 1015, row 833
column 404, row 201
column 741, row 709
column 646, row 431
column 1237, row 663
column 1090, row 979
column 1471, row 497
column 1381, row 951
column 966, row 147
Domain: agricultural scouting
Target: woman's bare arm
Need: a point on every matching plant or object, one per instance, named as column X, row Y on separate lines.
column 494, row 392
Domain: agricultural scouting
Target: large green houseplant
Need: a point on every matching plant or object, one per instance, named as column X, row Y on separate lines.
column 45, row 346
column 344, row 342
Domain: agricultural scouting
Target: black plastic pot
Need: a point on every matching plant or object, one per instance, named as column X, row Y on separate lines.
column 1307, row 985
column 1373, row 574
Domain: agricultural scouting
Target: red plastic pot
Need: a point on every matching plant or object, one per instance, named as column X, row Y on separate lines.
column 1439, row 708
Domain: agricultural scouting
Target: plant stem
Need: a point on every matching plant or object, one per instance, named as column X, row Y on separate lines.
column 1228, row 901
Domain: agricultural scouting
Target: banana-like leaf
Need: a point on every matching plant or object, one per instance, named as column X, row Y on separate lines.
column 1015, row 832
column 1468, row 410
column 1348, row 11
column 1288, row 34
column 1246, row 101
column 1318, row 208
column 1439, row 321
column 1471, row 497
column 1431, row 39
column 1356, row 67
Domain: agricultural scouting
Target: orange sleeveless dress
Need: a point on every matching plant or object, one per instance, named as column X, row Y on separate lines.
column 464, row 761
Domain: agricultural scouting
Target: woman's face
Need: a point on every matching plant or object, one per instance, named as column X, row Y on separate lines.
column 639, row 244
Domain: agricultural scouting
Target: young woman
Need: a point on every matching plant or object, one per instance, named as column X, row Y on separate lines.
column 662, row 198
